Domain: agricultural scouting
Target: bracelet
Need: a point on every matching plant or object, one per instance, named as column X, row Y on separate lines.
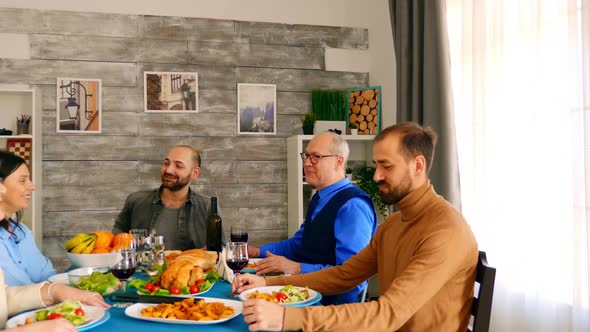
column 49, row 293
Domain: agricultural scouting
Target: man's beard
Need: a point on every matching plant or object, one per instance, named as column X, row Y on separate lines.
column 175, row 185
column 396, row 194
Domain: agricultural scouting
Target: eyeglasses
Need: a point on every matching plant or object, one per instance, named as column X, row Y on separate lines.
column 314, row 157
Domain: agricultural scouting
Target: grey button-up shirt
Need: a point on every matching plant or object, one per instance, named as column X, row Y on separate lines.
column 142, row 210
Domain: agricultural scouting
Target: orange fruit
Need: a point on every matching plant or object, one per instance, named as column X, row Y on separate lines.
column 103, row 239
column 122, row 241
column 100, row 251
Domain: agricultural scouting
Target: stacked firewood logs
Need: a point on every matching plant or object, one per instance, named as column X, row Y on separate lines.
column 363, row 112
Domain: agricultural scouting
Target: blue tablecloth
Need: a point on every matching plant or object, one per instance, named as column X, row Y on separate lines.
column 120, row 322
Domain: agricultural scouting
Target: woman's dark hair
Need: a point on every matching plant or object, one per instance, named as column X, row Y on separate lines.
column 9, row 163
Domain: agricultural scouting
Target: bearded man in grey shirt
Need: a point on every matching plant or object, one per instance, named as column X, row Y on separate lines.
column 173, row 210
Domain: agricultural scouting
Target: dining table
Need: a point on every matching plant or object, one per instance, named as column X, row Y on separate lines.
column 118, row 321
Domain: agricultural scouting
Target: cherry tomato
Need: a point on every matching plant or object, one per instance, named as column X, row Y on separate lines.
column 194, row 289
column 281, row 297
column 149, row 286
column 79, row 312
column 155, row 288
column 199, row 281
column 174, row 290
column 54, row 316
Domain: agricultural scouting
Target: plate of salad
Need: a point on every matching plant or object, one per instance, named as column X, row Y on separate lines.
column 82, row 316
column 151, row 287
column 103, row 283
column 290, row 296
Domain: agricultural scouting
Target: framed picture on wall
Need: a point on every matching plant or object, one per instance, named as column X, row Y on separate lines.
column 364, row 111
column 171, row 92
column 79, row 105
column 257, row 109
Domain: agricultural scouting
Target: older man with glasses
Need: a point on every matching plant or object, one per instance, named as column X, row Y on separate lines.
column 340, row 219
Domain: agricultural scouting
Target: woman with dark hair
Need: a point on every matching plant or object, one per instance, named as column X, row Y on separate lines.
column 22, row 262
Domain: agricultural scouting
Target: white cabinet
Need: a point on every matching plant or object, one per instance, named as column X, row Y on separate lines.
column 14, row 103
column 299, row 192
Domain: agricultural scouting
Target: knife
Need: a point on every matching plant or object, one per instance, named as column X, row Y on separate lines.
column 148, row 298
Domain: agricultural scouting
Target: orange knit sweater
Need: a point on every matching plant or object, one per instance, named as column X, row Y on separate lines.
column 426, row 257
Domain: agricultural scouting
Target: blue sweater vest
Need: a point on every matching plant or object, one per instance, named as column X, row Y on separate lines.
column 319, row 243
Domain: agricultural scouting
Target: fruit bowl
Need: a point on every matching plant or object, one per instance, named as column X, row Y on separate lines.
column 90, row 260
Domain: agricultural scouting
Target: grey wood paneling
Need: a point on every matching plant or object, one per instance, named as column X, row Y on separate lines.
column 217, row 101
column 251, row 195
column 257, row 219
column 260, row 148
column 114, row 99
column 101, row 147
column 259, row 238
column 67, row 23
column 80, row 198
column 113, row 123
column 210, row 77
column 17, row 71
column 256, row 55
column 108, row 49
column 293, row 102
column 70, row 223
column 289, row 125
column 262, row 172
column 189, row 124
column 302, row 80
column 213, row 53
column 90, row 173
column 302, row 35
column 186, row 28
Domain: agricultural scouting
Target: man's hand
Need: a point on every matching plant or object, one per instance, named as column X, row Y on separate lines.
column 276, row 263
column 263, row 315
column 253, row 251
column 246, row 281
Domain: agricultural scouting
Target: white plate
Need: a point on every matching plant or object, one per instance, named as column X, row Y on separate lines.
column 61, row 278
column 93, row 316
column 134, row 311
column 251, row 261
column 313, row 295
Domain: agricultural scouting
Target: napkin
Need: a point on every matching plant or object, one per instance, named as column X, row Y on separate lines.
column 224, row 271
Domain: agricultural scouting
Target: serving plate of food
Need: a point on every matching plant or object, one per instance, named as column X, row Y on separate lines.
column 187, row 273
column 289, row 296
column 82, row 316
column 187, row 312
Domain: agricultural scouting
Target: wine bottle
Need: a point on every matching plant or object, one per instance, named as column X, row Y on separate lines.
column 214, row 228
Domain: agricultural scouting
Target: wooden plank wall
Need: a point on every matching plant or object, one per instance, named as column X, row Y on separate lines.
column 86, row 178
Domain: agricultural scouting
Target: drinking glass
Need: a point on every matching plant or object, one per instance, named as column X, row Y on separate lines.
column 236, row 257
column 239, row 232
column 123, row 270
column 141, row 246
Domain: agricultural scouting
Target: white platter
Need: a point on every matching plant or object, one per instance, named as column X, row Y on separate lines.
column 94, row 317
column 61, row 278
column 314, row 296
column 134, row 311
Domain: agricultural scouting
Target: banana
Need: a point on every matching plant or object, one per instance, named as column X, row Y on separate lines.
column 85, row 243
column 89, row 247
column 76, row 240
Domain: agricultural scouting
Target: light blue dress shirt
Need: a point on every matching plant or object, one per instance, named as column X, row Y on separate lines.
column 354, row 226
column 22, row 262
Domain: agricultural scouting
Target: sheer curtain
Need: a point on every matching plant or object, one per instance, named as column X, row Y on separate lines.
column 520, row 72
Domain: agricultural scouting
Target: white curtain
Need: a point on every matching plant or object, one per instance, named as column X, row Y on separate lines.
column 521, row 83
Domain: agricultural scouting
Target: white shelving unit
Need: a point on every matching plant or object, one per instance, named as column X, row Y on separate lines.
column 299, row 192
column 15, row 102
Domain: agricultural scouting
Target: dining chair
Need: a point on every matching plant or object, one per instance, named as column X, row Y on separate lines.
column 363, row 294
column 482, row 304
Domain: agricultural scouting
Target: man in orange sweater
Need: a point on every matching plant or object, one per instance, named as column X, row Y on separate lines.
column 425, row 255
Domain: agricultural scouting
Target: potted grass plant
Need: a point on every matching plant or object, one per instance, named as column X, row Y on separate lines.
column 307, row 123
column 329, row 108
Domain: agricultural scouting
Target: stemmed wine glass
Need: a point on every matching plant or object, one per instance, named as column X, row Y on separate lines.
column 123, row 270
column 239, row 232
column 236, row 257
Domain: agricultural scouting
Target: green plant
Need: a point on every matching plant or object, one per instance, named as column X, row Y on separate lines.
column 364, row 177
column 353, row 126
column 329, row 105
column 308, row 119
